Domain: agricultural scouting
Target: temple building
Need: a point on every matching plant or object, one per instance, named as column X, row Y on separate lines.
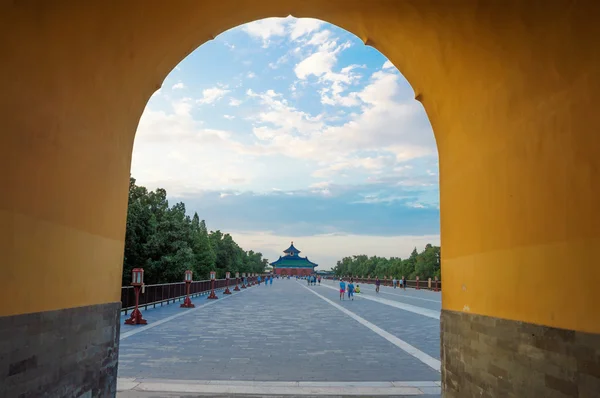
column 293, row 264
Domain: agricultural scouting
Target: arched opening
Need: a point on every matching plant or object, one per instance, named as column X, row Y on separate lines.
column 510, row 91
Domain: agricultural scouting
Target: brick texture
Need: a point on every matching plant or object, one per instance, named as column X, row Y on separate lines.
column 64, row 353
column 491, row 357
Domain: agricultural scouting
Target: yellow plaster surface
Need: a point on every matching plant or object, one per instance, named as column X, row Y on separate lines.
column 511, row 89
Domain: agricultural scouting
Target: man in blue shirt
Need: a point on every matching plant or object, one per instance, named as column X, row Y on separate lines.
column 342, row 289
column 351, row 290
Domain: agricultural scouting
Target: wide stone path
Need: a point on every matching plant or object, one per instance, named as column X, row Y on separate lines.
column 286, row 338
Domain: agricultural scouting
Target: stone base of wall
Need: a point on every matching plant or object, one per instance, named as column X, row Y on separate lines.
column 490, row 357
column 65, row 353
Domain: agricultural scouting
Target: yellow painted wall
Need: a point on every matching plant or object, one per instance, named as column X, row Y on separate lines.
column 511, row 89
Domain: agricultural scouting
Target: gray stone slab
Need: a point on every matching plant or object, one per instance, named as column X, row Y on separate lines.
column 287, row 333
column 68, row 352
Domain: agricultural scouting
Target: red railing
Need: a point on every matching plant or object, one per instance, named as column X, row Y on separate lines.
column 167, row 293
column 423, row 284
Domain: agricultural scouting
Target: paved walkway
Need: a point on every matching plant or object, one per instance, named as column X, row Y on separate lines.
column 286, row 338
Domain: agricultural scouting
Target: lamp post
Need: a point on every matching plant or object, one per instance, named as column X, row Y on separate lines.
column 436, row 289
column 212, row 295
column 187, row 303
column 243, row 280
column 237, row 281
column 418, row 288
column 137, row 281
column 227, row 291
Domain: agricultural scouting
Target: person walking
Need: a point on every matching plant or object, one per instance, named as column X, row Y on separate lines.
column 342, row 289
column 319, row 281
column 403, row 282
column 394, row 282
column 351, row 290
column 271, row 280
column 377, row 284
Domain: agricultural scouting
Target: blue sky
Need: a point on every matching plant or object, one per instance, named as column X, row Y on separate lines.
column 292, row 129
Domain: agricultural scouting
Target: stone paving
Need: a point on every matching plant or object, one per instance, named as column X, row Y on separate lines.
column 279, row 333
column 417, row 330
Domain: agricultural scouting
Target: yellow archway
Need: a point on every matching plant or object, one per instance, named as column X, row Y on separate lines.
column 510, row 87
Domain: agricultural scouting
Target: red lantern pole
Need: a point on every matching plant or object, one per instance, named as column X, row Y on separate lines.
column 212, row 295
column 237, row 281
column 137, row 281
column 418, row 288
column 187, row 302
column 436, row 285
column 227, row 291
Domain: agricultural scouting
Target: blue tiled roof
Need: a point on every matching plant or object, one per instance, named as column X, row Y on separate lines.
column 292, row 249
column 293, row 261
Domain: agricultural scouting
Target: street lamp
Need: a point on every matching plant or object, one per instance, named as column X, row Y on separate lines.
column 227, row 291
column 187, row 303
column 212, row 295
column 237, row 281
column 137, row 281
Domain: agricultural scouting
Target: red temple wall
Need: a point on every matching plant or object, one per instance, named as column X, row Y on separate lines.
column 294, row 271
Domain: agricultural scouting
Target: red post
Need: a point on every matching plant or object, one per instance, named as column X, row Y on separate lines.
column 436, row 289
column 137, row 281
column 187, row 303
column 418, row 288
column 212, row 295
column 237, row 281
column 227, row 291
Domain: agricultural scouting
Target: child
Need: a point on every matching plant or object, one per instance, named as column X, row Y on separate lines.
column 342, row 289
column 351, row 290
column 357, row 290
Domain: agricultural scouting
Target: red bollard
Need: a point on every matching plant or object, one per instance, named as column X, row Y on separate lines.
column 187, row 303
column 227, row 291
column 436, row 289
column 212, row 295
column 243, row 280
column 418, row 288
column 237, row 281
column 137, row 281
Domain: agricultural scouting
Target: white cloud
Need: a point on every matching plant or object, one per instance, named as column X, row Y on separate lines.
column 266, row 28
column 234, row 102
column 388, row 65
column 230, row 46
column 251, row 75
column 302, row 26
column 211, row 95
column 178, row 86
column 229, row 117
column 295, row 28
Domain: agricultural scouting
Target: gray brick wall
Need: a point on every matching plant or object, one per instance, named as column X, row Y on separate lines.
column 65, row 353
column 491, row 357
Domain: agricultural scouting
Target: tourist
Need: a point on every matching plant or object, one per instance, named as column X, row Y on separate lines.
column 308, row 280
column 357, row 290
column 351, row 290
column 403, row 282
column 270, row 280
column 319, row 281
column 400, row 283
column 377, row 284
column 394, row 282
column 342, row 289
column 258, row 279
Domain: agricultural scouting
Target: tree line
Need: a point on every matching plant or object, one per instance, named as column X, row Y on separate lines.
column 166, row 242
column 425, row 264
